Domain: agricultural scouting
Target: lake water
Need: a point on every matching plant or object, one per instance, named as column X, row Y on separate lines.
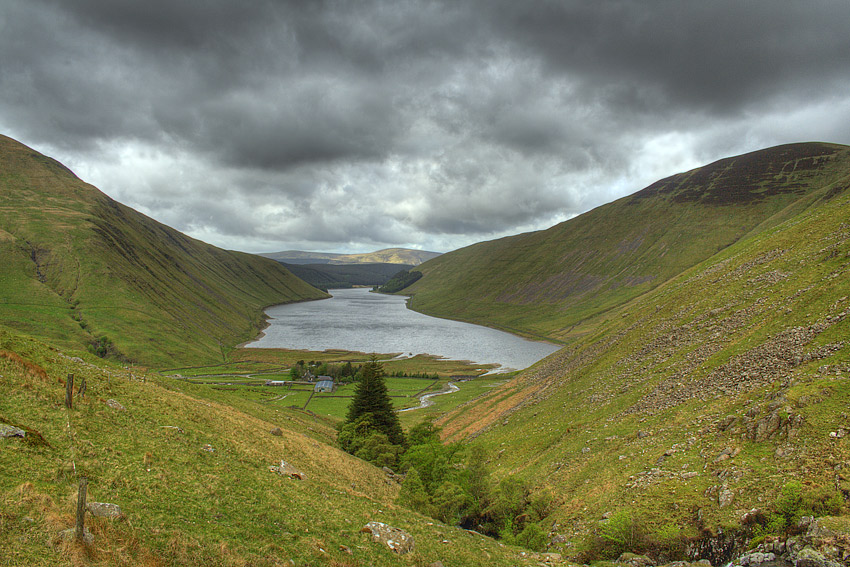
column 358, row 320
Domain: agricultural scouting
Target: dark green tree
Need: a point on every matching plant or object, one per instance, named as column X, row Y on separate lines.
column 371, row 398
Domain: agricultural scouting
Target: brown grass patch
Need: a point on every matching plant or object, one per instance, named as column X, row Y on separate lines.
column 29, row 368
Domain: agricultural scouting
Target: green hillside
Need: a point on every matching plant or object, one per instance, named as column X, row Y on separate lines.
column 191, row 469
column 723, row 390
column 329, row 276
column 78, row 266
column 550, row 283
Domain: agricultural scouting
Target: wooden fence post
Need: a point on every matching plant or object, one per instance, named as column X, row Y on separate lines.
column 81, row 510
column 69, row 391
column 82, row 390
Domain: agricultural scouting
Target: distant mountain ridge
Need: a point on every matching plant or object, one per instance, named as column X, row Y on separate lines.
column 83, row 270
column 405, row 256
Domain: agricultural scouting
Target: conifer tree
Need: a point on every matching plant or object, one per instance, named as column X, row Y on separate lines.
column 371, row 398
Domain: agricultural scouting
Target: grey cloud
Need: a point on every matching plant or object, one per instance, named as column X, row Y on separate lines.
column 417, row 121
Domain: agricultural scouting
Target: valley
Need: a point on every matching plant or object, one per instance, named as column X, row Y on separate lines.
column 696, row 411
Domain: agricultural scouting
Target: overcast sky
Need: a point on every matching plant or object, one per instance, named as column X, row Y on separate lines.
column 350, row 126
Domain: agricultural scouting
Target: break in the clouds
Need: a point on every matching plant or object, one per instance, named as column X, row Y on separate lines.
column 351, row 126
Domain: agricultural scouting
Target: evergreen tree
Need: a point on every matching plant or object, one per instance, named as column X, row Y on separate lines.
column 371, row 398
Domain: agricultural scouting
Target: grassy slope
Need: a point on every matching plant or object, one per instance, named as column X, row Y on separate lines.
column 758, row 332
column 549, row 283
column 78, row 265
column 342, row 275
column 185, row 505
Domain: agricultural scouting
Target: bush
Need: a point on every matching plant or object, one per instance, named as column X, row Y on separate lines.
column 532, row 537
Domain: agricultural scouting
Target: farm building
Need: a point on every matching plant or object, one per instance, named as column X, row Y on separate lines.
column 325, row 384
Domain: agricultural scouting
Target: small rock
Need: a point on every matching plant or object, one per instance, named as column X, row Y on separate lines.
column 208, row 448
column 104, row 509
column 552, row 557
column 397, row 540
column 635, row 560
column 816, row 530
column 114, row 404
column 725, row 497
column 11, row 431
column 277, row 432
column 71, row 534
column 808, row 557
column 288, row 470
column 755, row 559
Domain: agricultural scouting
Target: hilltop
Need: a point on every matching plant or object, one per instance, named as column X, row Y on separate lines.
column 82, row 270
column 404, row 256
column 552, row 283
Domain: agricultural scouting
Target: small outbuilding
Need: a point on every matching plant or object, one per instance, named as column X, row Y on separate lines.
column 325, row 384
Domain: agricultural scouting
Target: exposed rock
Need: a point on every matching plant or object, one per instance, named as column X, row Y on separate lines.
column 103, row 509
column 635, row 560
column 286, row 469
column 277, row 432
column 208, row 448
column 817, row 530
column 11, row 431
column 757, row 559
column 397, row 540
column 114, row 404
column 725, row 497
column 71, row 534
column 809, row 557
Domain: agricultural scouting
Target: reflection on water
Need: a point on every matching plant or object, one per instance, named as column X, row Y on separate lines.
column 355, row 319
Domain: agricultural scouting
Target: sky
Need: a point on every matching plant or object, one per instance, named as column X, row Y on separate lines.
column 351, row 126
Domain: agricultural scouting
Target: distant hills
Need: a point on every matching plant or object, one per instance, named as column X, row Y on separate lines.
column 337, row 276
column 327, row 270
column 404, row 256
column 552, row 283
column 81, row 269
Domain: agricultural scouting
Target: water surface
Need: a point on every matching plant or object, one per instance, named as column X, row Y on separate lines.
column 358, row 320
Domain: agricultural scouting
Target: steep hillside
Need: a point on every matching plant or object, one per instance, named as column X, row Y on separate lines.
column 78, row 266
column 386, row 256
column 698, row 401
column 550, row 283
column 328, row 276
column 194, row 472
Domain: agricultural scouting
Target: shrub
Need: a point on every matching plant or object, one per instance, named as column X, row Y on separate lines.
column 532, row 537
column 620, row 533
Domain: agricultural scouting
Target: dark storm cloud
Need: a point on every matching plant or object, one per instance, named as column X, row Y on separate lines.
column 425, row 123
